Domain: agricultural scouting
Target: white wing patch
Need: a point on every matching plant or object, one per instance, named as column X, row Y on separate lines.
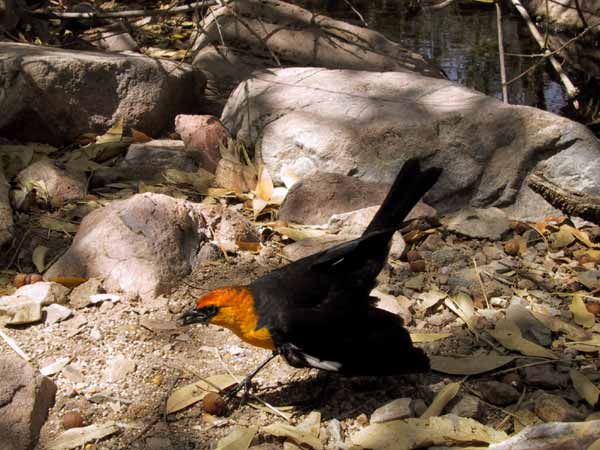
column 332, row 366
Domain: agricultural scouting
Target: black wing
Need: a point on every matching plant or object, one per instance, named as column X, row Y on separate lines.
column 370, row 342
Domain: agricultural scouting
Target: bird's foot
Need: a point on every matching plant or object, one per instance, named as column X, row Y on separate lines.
column 245, row 385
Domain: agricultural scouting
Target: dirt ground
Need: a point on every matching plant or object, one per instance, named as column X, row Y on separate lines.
column 168, row 356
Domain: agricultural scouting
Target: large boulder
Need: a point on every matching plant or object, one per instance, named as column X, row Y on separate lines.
column 25, row 398
column 54, row 95
column 246, row 35
column 305, row 120
column 144, row 245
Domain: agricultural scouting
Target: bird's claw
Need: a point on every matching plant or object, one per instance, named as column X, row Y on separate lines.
column 244, row 385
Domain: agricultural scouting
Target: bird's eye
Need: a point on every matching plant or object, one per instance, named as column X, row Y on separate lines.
column 211, row 310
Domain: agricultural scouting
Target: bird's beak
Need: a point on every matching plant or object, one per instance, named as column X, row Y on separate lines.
column 194, row 316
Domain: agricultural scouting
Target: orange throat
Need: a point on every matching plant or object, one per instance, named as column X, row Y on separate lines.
column 236, row 312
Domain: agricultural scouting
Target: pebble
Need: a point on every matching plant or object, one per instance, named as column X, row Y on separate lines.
column 57, row 313
column 552, row 408
column 544, row 376
column 72, row 420
column 468, row 406
column 119, row 367
column 498, row 393
column 362, row 420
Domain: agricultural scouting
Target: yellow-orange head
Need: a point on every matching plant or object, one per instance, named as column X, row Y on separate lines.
column 233, row 308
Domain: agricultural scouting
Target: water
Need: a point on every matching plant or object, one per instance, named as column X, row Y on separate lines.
column 462, row 40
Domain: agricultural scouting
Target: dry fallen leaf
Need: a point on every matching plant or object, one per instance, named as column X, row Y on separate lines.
column 192, row 393
column 299, row 233
column 431, row 298
column 139, row 136
column 78, row 437
column 468, row 365
column 239, row 439
column 589, row 346
column 509, row 335
column 293, row 433
column 428, row 337
column 562, row 238
column 441, row 400
column 38, row 257
column 584, row 387
column 114, row 133
column 580, row 313
column 462, row 305
column 595, row 445
column 411, row 434
column 264, row 186
column 581, row 236
column 557, row 325
column 54, row 224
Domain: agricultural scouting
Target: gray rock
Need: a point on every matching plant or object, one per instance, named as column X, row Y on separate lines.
column 45, row 292
column 144, row 245
column 25, row 398
column 552, row 408
column 19, row 310
column 498, row 393
column 119, row 367
column 54, row 186
column 6, row 219
column 293, row 35
column 544, row 376
column 146, row 92
column 489, row 223
column 401, row 408
column 468, row 406
column 445, row 256
column 146, row 162
column 57, row 313
column 368, row 124
column 315, row 199
column 309, row 246
column 532, row 329
column 80, row 295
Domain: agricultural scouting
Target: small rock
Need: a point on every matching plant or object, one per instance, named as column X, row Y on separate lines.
column 334, row 432
column 497, row 393
column 119, row 367
column 210, row 252
column 468, row 406
column 213, row 404
column 445, row 256
column 20, row 310
column 309, row 246
column 532, row 329
column 159, row 443
column 54, row 185
column 73, row 374
column 492, row 252
column 401, row 408
column 46, row 292
column 72, row 420
column 432, row 242
column 499, row 301
column 57, row 313
column 488, row 223
column 417, row 266
column 441, row 318
column 513, row 379
column 80, row 297
column 417, row 282
column 362, row 420
column 202, row 136
column 544, row 376
column 96, row 334
column 552, row 408
column 25, row 398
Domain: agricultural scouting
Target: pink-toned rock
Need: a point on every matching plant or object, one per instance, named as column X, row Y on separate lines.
column 25, row 398
column 202, row 136
column 52, row 184
column 144, row 245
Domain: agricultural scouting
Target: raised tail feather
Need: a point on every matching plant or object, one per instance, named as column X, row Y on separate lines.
column 410, row 185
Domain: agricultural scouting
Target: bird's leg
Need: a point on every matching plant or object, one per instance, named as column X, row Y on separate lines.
column 245, row 383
